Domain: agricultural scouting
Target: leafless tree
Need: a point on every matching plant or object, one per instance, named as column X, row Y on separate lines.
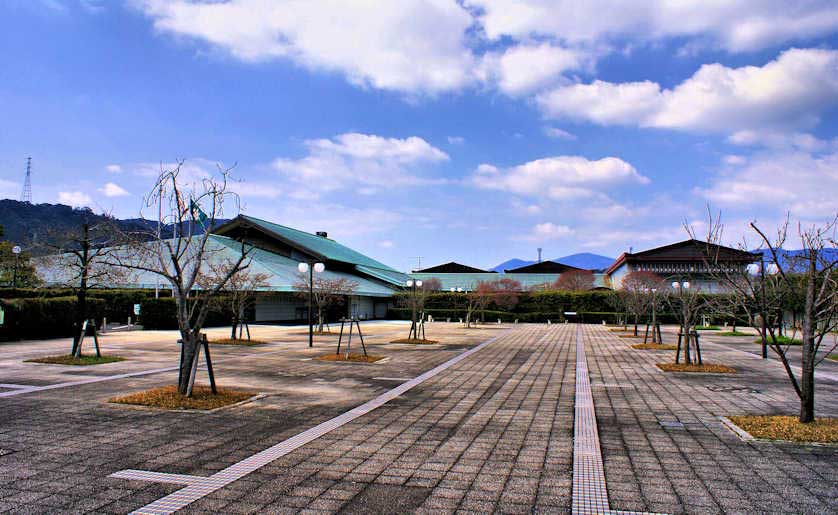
column 78, row 259
column 688, row 301
column 806, row 283
column 638, row 290
column 478, row 299
column 238, row 294
column 575, row 280
column 192, row 208
column 325, row 292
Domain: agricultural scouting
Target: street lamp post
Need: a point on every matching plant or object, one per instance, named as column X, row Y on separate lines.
column 654, row 315
column 310, row 268
column 16, row 251
column 410, row 283
column 760, row 269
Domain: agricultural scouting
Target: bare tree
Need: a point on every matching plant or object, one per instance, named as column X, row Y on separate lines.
column 764, row 292
column 192, row 209
column 78, row 259
column 575, row 280
column 325, row 292
column 687, row 300
column 507, row 293
column 478, row 299
column 238, row 294
column 636, row 293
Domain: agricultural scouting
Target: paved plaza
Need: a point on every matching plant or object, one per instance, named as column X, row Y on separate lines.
column 482, row 422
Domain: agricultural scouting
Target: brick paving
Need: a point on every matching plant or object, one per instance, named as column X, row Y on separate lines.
column 492, row 433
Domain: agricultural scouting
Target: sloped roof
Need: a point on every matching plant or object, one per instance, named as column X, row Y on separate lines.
column 544, row 267
column 452, row 268
column 319, row 247
column 691, row 250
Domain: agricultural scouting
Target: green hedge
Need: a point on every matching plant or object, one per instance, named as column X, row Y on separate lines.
column 162, row 314
column 119, row 303
column 53, row 317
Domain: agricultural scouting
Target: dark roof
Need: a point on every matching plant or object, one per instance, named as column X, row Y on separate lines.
column 544, row 267
column 452, row 268
column 687, row 251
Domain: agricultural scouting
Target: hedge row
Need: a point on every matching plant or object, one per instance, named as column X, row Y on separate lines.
column 44, row 317
column 162, row 314
column 119, row 303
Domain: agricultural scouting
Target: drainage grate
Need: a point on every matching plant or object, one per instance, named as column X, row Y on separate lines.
column 731, row 388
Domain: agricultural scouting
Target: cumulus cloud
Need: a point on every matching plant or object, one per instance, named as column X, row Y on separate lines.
column 734, row 26
column 795, row 181
column 523, row 68
column 558, row 178
column 111, row 189
column 74, row 198
column 789, row 92
column 364, row 161
column 410, row 45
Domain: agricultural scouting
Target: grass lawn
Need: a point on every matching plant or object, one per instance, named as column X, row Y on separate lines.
column 654, row 346
column 782, row 340
column 67, row 359
column 833, row 357
column 244, row 343
column 694, row 367
column 167, row 397
column 354, row 358
column 707, row 328
column 781, row 427
column 733, row 333
column 414, row 340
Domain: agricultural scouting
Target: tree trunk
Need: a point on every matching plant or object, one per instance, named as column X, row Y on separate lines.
column 807, row 374
column 319, row 319
column 191, row 340
column 81, row 295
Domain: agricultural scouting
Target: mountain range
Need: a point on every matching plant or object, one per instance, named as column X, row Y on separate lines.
column 584, row 260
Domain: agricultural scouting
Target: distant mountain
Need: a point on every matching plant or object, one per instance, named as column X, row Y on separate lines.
column 27, row 224
column 584, row 260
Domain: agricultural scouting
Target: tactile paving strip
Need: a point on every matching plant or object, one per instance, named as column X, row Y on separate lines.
column 590, row 494
column 198, row 487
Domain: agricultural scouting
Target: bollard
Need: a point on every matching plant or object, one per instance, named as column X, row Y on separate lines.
column 498, row 321
column 549, row 322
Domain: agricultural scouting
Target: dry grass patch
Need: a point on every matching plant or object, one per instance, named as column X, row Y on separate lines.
column 628, row 335
column 783, row 427
column 241, row 343
column 833, row 357
column 415, row 341
column 711, row 368
column 354, row 358
column 167, row 397
column 67, row 359
column 654, row 346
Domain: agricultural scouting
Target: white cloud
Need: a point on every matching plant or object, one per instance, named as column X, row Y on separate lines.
column 559, row 178
column 385, row 244
column 113, row 168
column 549, row 231
column 523, row 68
column 361, row 160
column 74, row 198
column 734, row 26
column 733, row 159
column 795, row 181
column 556, row 133
column 409, row 45
column 111, row 189
column 456, row 140
column 783, row 140
column 791, row 91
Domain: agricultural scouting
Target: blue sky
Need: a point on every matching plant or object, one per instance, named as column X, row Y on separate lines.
column 473, row 131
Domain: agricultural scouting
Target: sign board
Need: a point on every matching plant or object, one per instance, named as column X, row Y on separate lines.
column 569, row 312
column 137, row 309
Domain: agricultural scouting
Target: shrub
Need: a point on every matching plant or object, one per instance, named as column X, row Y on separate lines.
column 32, row 318
column 162, row 314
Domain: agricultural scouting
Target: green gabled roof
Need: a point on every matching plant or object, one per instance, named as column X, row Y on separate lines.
column 283, row 274
column 389, row 275
column 318, row 245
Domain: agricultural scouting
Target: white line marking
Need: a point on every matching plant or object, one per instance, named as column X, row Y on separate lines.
column 195, row 491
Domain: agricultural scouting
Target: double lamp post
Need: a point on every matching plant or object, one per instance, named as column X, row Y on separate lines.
column 311, row 267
